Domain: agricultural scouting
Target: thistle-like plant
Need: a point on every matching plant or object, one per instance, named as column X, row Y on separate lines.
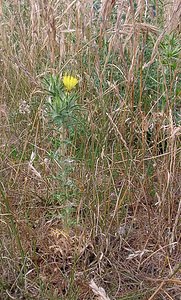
column 62, row 99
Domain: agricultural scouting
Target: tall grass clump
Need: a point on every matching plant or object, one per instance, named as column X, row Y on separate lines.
column 90, row 150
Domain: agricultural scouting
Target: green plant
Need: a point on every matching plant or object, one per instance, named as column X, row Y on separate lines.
column 61, row 103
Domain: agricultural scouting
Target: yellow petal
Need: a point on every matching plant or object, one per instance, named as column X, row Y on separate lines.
column 69, row 82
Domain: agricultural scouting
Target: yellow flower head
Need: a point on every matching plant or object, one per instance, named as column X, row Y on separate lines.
column 69, row 82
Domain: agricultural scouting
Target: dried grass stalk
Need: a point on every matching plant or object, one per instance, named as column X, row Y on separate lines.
column 106, row 8
column 172, row 14
column 98, row 291
column 1, row 10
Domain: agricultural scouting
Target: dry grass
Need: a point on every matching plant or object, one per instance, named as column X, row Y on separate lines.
column 102, row 221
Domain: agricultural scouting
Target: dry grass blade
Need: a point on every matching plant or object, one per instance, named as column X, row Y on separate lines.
column 98, row 291
column 31, row 167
